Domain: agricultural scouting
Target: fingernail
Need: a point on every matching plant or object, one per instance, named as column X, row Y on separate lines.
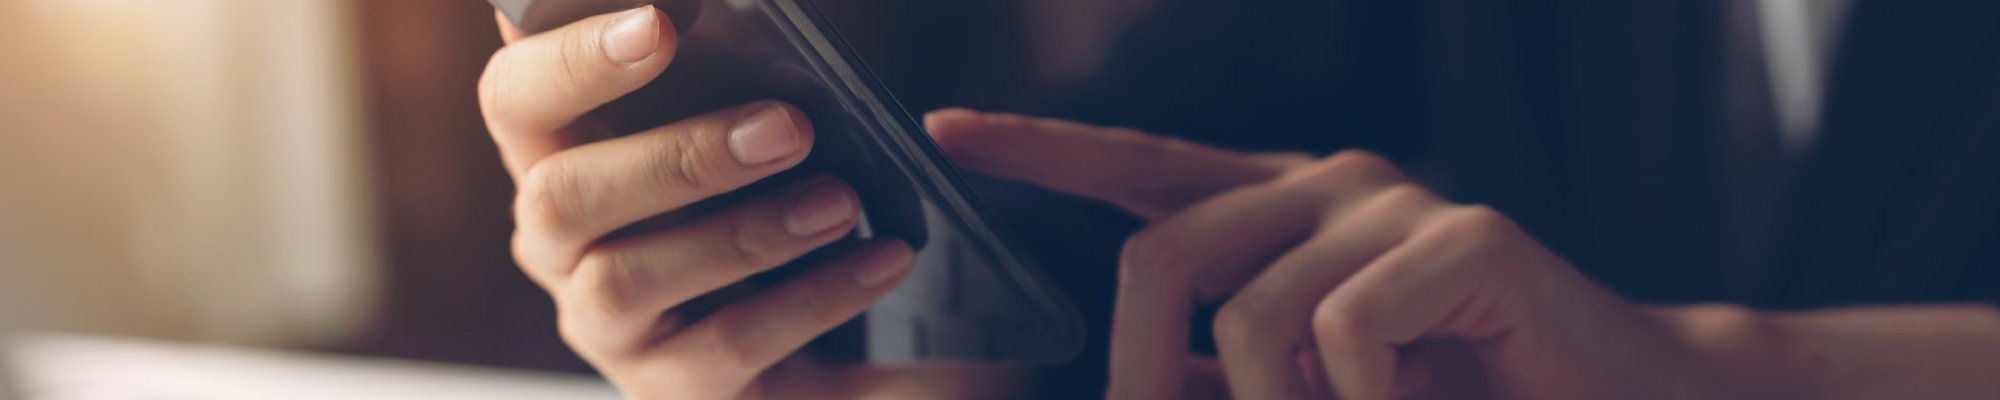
column 825, row 207
column 764, row 137
column 961, row 114
column 881, row 266
column 633, row 36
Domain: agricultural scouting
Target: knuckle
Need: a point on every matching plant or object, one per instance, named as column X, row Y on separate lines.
column 499, row 93
column 614, row 283
column 1474, row 233
column 550, row 199
column 727, row 346
column 1334, row 315
column 1137, row 247
column 743, row 246
column 1146, row 252
column 1408, row 193
column 687, row 165
column 1240, row 320
column 1397, row 201
column 1361, row 165
column 581, row 335
column 518, row 248
column 1474, row 222
column 526, row 248
column 593, row 340
column 819, row 308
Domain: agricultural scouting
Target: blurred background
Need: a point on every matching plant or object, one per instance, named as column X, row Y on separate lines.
column 190, row 170
column 303, row 175
column 306, row 185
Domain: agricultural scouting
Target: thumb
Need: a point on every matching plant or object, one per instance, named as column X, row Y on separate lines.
column 1146, row 175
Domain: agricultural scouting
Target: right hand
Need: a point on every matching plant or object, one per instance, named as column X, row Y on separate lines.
column 666, row 313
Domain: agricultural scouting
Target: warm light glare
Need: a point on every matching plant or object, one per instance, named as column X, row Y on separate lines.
column 185, row 168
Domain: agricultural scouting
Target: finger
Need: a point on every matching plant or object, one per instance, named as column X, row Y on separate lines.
column 1149, row 176
column 1239, row 237
column 1427, row 286
column 1285, row 160
column 579, row 195
column 542, row 84
column 1209, row 250
column 748, row 337
column 629, row 282
column 1266, row 324
column 1188, row 258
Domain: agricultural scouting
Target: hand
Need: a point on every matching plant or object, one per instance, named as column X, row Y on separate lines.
column 1338, row 276
column 666, row 313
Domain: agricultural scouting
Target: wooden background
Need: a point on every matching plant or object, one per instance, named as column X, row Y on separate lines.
column 452, row 292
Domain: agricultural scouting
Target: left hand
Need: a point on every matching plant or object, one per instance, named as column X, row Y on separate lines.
column 664, row 307
column 1339, row 276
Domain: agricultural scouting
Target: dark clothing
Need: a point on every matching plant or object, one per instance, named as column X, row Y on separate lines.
column 1595, row 124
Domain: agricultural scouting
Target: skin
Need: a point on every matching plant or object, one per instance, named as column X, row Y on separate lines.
column 1338, row 276
column 665, row 313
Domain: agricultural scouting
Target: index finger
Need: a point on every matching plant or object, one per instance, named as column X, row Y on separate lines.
column 1149, row 176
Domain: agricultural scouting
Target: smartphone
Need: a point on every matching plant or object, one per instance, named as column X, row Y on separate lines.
column 972, row 296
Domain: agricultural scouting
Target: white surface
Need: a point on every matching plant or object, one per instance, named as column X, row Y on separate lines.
column 68, row 367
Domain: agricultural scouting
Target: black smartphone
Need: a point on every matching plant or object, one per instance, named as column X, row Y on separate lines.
column 972, row 296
